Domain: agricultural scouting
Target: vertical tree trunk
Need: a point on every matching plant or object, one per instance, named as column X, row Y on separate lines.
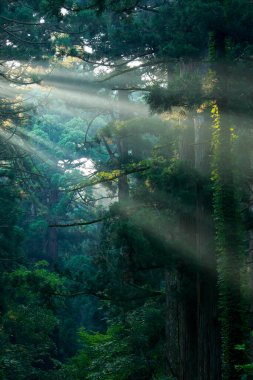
column 251, row 266
column 207, row 322
column 188, row 303
column 123, row 187
column 229, row 249
column 181, row 295
column 52, row 243
column 172, row 323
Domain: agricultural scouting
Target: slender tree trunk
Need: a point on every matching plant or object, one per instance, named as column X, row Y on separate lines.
column 122, row 145
column 172, row 323
column 123, row 187
column 52, row 243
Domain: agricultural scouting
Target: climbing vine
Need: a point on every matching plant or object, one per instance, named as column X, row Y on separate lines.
column 228, row 233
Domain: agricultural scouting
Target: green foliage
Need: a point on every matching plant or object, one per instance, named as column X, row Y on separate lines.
column 183, row 91
column 246, row 369
column 132, row 349
column 26, row 282
column 28, row 323
column 229, row 256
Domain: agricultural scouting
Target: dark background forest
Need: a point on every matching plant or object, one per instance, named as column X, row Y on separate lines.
column 126, row 189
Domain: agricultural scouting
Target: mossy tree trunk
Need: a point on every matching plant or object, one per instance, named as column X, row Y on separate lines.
column 207, row 321
column 229, row 246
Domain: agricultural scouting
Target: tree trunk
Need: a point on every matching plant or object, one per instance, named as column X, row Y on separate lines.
column 229, row 250
column 207, row 321
column 172, row 323
column 248, row 174
column 123, row 189
column 52, row 243
column 181, row 295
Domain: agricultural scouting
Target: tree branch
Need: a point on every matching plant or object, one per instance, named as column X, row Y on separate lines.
column 77, row 223
column 120, row 173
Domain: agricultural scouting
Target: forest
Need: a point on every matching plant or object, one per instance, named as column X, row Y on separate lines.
column 126, row 190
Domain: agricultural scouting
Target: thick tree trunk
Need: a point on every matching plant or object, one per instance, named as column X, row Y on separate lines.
column 188, row 303
column 251, row 269
column 229, row 249
column 181, row 349
column 248, row 174
column 192, row 331
column 181, row 295
column 207, row 321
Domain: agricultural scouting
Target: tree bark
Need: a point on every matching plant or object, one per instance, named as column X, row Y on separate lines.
column 172, row 323
column 123, row 188
column 207, row 321
column 181, row 294
column 52, row 243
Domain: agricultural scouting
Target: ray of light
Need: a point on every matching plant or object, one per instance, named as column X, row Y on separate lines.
column 27, row 147
column 172, row 239
column 81, row 99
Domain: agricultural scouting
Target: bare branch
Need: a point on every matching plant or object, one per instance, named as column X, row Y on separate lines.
column 21, row 39
column 21, row 22
column 78, row 223
column 118, row 73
